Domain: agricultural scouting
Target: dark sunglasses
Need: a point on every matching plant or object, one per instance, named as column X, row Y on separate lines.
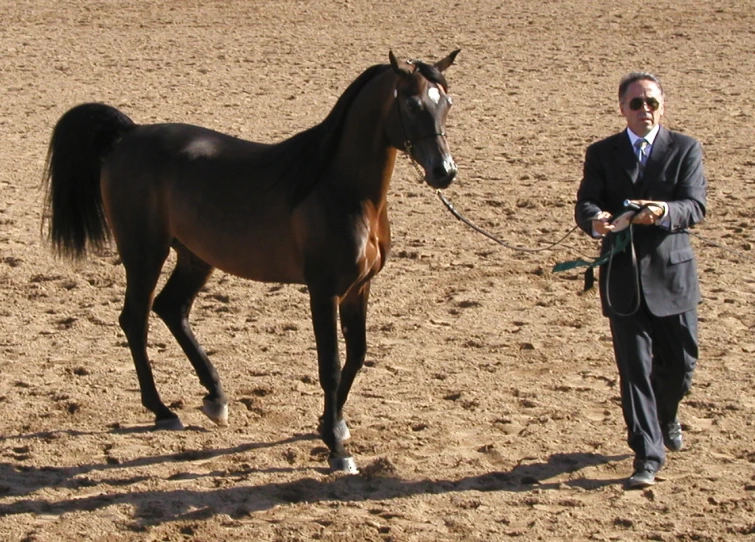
column 637, row 103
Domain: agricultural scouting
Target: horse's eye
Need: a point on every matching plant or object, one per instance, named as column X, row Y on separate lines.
column 414, row 105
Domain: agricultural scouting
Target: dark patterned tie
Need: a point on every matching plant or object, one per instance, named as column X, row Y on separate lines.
column 641, row 151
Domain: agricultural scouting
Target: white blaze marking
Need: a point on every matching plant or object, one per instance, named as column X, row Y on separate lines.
column 434, row 94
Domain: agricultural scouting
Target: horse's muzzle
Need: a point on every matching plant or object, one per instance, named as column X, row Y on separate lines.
column 442, row 174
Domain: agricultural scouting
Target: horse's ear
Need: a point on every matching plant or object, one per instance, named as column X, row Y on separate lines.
column 446, row 62
column 394, row 64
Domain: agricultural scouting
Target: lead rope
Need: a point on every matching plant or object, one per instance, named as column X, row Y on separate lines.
column 490, row 236
column 457, row 214
column 618, row 244
column 466, row 221
column 589, row 278
column 636, row 273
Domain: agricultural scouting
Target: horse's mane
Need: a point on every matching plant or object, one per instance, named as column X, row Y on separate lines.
column 308, row 153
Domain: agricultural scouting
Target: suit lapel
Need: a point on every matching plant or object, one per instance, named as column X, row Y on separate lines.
column 626, row 159
column 661, row 147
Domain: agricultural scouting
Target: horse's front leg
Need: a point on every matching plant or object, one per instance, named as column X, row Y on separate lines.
column 353, row 311
column 324, row 309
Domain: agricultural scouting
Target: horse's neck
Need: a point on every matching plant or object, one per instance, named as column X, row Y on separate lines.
column 365, row 159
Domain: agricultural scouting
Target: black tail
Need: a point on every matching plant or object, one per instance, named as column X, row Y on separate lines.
column 73, row 203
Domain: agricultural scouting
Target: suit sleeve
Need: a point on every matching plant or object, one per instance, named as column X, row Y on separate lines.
column 590, row 193
column 688, row 206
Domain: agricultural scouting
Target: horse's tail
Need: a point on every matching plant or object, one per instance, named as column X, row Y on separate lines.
column 82, row 138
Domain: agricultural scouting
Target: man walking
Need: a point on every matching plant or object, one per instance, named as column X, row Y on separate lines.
column 650, row 290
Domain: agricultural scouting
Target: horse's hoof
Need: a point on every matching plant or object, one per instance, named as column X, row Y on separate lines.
column 343, row 464
column 170, row 424
column 217, row 412
column 341, row 431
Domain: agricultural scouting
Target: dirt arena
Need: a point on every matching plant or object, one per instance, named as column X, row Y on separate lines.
column 488, row 408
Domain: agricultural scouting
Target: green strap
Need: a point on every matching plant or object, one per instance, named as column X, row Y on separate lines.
column 619, row 243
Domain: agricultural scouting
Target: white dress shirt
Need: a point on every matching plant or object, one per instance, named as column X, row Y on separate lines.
column 663, row 221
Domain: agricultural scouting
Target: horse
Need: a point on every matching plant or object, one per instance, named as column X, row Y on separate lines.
column 310, row 209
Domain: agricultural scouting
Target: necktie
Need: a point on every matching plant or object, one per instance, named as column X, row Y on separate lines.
column 642, row 157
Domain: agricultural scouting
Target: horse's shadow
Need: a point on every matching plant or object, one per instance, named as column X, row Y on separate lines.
column 19, row 479
column 156, row 507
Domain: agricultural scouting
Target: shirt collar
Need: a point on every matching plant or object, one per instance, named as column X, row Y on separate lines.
column 649, row 138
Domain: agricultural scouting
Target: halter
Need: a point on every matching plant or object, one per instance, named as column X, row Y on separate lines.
column 408, row 144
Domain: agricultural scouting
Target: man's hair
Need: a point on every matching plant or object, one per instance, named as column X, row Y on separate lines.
column 630, row 78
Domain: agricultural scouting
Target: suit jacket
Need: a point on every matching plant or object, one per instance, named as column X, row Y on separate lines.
column 665, row 260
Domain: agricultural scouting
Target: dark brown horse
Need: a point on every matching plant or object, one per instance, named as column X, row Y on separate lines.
column 308, row 210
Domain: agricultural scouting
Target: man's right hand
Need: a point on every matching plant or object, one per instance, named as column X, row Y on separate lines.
column 601, row 224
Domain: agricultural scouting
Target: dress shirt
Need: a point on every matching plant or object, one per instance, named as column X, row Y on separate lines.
column 664, row 221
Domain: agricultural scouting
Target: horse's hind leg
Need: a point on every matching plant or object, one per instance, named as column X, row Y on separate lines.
column 173, row 305
column 142, row 272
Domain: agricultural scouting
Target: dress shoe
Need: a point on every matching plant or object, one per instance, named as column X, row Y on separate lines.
column 641, row 478
column 672, row 435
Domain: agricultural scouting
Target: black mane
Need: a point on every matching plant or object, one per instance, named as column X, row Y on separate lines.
column 308, row 153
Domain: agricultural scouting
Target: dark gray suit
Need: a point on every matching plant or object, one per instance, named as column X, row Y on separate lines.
column 656, row 348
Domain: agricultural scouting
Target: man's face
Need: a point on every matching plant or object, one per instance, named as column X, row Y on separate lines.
column 647, row 98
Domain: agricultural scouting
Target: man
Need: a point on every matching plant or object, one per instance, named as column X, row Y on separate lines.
column 649, row 291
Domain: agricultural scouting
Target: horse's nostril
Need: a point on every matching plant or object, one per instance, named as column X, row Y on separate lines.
column 443, row 175
column 445, row 169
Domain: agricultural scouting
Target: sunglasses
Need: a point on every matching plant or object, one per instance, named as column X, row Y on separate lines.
column 637, row 103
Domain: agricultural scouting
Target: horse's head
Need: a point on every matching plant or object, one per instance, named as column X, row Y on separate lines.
column 418, row 120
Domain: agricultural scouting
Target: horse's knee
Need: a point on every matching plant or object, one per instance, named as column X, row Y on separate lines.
column 330, row 378
column 354, row 365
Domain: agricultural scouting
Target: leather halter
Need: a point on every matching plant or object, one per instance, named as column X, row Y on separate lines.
column 408, row 144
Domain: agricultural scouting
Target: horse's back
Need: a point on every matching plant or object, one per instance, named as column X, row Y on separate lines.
column 190, row 165
column 185, row 144
column 216, row 194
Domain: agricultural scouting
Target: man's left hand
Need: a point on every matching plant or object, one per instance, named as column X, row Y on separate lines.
column 651, row 213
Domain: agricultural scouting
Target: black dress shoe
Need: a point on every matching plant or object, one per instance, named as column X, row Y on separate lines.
column 672, row 435
column 641, row 478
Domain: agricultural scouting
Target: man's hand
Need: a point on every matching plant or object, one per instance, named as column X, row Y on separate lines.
column 652, row 211
column 601, row 224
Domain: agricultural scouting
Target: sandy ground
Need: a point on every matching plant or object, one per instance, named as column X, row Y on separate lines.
column 488, row 407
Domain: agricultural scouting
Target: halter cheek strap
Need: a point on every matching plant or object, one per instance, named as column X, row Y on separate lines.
column 408, row 144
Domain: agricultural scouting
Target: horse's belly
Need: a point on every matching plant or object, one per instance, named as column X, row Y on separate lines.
column 259, row 268
column 261, row 258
